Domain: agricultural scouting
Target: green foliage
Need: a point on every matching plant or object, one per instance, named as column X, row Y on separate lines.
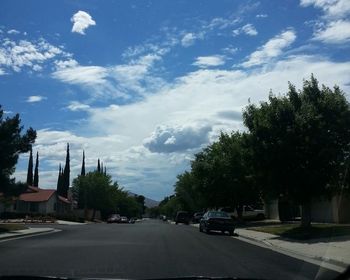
column 36, row 171
column 301, row 143
column 96, row 191
column 12, row 143
column 30, row 169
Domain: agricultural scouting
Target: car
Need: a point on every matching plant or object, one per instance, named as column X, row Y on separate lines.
column 218, row 221
column 248, row 212
column 132, row 221
column 114, row 218
column 124, row 220
column 182, row 217
column 163, row 218
column 197, row 217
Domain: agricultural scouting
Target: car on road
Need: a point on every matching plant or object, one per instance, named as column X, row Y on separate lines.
column 182, row 217
column 218, row 221
column 114, row 218
column 197, row 217
column 124, row 220
column 132, row 221
column 248, row 212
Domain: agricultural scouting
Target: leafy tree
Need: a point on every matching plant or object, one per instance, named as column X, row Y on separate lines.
column 224, row 175
column 140, row 199
column 36, row 171
column 301, row 143
column 12, row 143
column 30, row 169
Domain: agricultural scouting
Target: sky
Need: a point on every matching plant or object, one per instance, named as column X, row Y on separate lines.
column 144, row 85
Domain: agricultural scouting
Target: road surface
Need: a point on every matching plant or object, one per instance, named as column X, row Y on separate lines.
column 149, row 249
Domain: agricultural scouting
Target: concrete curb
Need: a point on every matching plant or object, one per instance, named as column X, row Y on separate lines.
column 339, row 265
column 17, row 235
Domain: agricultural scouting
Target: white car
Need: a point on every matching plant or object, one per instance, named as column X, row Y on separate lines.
column 249, row 213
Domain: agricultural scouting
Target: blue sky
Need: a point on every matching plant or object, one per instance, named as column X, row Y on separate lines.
column 144, row 85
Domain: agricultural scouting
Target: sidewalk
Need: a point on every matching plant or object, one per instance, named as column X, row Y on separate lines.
column 334, row 250
column 25, row 232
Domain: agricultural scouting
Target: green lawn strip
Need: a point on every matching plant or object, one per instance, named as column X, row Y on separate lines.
column 4, row 228
column 294, row 231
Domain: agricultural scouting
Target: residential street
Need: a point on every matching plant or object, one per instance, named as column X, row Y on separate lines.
column 149, row 249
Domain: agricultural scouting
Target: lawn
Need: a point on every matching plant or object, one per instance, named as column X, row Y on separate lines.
column 294, row 231
column 11, row 227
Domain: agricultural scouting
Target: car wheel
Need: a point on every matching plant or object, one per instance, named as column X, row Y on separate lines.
column 176, row 223
column 231, row 232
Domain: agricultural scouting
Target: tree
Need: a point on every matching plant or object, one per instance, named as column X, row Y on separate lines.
column 83, row 165
column 301, row 143
column 223, row 173
column 36, row 171
column 30, row 169
column 98, row 166
column 12, row 143
column 60, row 181
column 66, row 175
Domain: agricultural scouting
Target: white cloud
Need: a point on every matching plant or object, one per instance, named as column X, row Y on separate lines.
column 13, row 31
column 15, row 55
column 81, row 21
column 207, row 61
column 2, row 72
column 188, row 39
column 333, row 28
column 333, row 9
column 82, row 75
column 247, row 29
column 77, row 106
column 261, row 16
column 273, row 48
column 336, row 32
column 35, row 98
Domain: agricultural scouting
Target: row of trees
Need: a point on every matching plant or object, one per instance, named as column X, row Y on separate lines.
column 296, row 146
column 96, row 190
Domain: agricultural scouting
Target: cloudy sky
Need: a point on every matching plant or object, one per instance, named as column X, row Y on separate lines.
column 143, row 85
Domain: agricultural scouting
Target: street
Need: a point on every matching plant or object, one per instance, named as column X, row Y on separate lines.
column 149, row 249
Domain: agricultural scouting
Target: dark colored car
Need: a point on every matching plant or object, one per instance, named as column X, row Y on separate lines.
column 132, row 221
column 114, row 218
column 217, row 220
column 182, row 217
column 197, row 217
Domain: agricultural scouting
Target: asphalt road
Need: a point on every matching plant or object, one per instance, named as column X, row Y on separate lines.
column 149, row 249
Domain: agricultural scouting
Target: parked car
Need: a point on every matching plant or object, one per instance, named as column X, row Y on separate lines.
column 248, row 213
column 197, row 217
column 163, row 218
column 114, row 218
column 124, row 220
column 182, row 217
column 132, row 221
column 217, row 220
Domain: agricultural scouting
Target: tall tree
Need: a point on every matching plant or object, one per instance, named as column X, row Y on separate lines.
column 12, row 143
column 98, row 166
column 30, row 169
column 59, row 181
column 36, row 171
column 66, row 175
column 101, row 167
column 301, row 143
column 83, row 165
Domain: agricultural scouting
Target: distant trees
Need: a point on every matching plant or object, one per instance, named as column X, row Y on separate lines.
column 12, row 143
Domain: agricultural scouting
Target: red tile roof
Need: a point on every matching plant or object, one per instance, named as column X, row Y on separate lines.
column 38, row 195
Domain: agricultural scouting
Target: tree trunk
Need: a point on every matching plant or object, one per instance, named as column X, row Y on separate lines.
column 306, row 214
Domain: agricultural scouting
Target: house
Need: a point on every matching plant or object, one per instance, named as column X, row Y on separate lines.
column 39, row 201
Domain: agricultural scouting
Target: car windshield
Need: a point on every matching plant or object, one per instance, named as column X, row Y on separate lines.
column 151, row 139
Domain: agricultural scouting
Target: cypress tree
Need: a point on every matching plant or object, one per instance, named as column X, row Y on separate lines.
column 83, row 165
column 30, row 169
column 105, row 170
column 102, row 167
column 98, row 166
column 66, row 174
column 36, row 171
column 59, row 181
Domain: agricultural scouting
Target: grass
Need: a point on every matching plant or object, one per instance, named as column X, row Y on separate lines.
column 4, row 228
column 294, row 231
